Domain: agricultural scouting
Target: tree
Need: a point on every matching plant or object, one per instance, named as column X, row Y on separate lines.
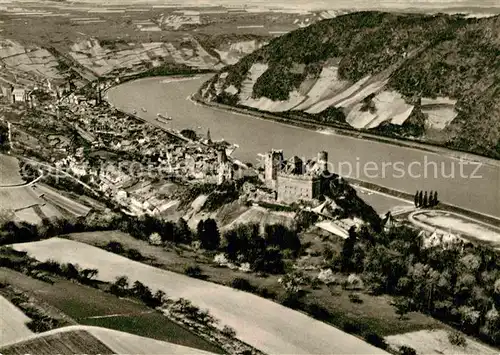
column 402, row 305
column 71, row 271
column 347, row 252
column 232, row 244
column 155, row 239
column 425, row 202
column 416, row 200
column 492, row 324
column 160, row 297
column 189, row 134
column 228, row 331
column 271, row 261
column 88, row 274
column 244, row 240
column 138, row 289
column 282, row 237
column 435, row 200
column 420, row 199
column 182, row 231
column 200, row 227
column 209, row 235
column 469, row 317
column 120, row 286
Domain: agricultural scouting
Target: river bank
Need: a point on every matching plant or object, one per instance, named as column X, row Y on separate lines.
column 368, row 185
column 256, row 135
column 324, row 128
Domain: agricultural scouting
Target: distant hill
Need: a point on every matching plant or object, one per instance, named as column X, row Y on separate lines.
column 431, row 77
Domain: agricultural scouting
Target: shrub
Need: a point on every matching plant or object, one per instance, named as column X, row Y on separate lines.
column 242, row 284
column 221, row 259
column 319, row 312
column 42, row 324
column 327, row 276
column 155, row 239
column 264, row 292
column 376, row 340
column 354, row 298
column 292, row 300
column 114, row 247
column 354, row 282
column 406, row 350
column 352, row 327
column 457, row 339
column 194, row 271
column 51, row 266
column 228, row 331
column 43, row 277
column 135, row 254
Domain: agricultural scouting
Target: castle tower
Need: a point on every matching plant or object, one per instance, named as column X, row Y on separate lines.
column 209, row 138
column 323, row 161
column 273, row 164
column 221, row 156
column 225, row 169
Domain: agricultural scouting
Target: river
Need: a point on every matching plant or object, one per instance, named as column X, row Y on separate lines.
column 465, row 184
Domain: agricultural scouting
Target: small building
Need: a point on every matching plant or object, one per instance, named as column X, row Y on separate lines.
column 7, row 91
column 19, row 95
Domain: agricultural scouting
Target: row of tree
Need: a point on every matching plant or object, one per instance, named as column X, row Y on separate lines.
column 263, row 250
column 422, row 199
column 4, row 138
column 247, row 244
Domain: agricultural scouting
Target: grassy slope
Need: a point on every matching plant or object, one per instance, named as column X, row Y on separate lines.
column 82, row 302
column 446, row 56
column 375, row 313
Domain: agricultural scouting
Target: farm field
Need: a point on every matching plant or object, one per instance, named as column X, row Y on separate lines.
column 63, row 202
column 376, row 312
column 12, row 322
column 90, row 306
column 93, row 340
column 20, row 202
column 266, row 325
column 9, row 171
column 436, row 342
column 76, row 342
column 25, row 204
column 170, row 259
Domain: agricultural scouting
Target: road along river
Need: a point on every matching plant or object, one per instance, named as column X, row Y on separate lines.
column 465, row 183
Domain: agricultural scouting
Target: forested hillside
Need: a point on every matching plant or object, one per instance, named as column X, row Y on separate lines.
column 435, row 78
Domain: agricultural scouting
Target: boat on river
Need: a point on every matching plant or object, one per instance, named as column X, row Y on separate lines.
column 163, row 118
